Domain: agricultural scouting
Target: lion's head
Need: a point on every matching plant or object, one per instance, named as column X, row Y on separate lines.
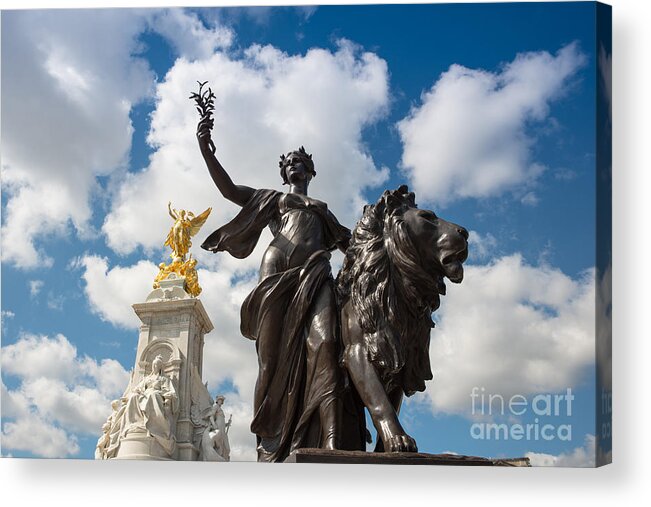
column 393, row 275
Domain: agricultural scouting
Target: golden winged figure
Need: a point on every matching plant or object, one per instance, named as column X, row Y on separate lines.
column 186, row 225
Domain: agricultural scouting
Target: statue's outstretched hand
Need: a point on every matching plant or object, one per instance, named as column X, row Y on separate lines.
column 203, row 134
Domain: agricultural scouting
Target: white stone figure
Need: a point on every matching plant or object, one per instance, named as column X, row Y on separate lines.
column 214, row 441
column 109, row 441
column 150, row 408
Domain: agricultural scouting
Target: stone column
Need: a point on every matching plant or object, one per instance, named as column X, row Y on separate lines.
column 173, row 326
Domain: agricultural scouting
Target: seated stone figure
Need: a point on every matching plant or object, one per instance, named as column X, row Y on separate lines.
column 150, row 408
column 109, row 441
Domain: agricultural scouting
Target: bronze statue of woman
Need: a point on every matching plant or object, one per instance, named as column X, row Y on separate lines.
column 292, row 312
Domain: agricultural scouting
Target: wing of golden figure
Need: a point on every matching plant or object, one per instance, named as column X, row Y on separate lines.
column 198, row 221
column 170, row 239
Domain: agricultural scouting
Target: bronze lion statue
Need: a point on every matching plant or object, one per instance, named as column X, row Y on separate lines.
column 391, row 281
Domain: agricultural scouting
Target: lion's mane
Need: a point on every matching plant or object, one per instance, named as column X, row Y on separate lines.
column 390, row 292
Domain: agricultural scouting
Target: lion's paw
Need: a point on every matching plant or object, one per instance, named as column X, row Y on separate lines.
column 401, row 443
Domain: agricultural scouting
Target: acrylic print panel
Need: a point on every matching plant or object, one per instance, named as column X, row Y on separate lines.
column 497, row 118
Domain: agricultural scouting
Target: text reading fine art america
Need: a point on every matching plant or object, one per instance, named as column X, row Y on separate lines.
column 328, row 348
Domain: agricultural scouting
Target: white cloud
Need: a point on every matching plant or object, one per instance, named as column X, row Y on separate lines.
column 227, row 354
column 55, row 301
column 530, row 199
column 471, row 135
column 76, row 408
column 59, row 393
column 482, row 246
column 240, row 438
column 189, row 35
column 564, row 174
column 35, row 287
column 268, row 102
column 38, row 437
column 260, row 15
column 14, row 403
column 4, row 316
column 70, row 80
column 579, row 457
column 511, row 328
column 108, row 375
column 111, row 292
column 8, row 314
column 65, row 118
column 33, row 357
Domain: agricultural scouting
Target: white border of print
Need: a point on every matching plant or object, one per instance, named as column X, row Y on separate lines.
column 81, row 482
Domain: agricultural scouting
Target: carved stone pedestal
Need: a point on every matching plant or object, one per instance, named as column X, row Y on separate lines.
column 173, row 326
column 141, row 446
column 399, row 458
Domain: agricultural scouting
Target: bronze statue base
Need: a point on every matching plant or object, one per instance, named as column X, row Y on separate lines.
column 399, row 458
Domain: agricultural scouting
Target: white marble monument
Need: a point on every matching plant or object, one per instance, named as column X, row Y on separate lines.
column 166, row 409
column 157, row 417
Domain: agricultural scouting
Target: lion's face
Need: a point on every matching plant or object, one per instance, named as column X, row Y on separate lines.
column 442, row 245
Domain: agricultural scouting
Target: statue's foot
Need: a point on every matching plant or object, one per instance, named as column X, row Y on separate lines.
column 400, row 443
column 330, row 443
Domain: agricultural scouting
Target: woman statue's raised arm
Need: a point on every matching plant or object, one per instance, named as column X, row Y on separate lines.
column 239, row 194
column 171, row 211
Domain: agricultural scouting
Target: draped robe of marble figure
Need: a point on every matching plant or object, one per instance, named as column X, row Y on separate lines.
column 151, row 407
column 214, row 441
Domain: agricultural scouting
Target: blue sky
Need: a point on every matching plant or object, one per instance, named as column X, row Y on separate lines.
column 486, row 111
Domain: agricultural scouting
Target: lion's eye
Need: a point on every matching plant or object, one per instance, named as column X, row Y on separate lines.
column 429, row 215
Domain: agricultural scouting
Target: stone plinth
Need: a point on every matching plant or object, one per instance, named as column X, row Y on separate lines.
column 141, row 446
column 398, row 458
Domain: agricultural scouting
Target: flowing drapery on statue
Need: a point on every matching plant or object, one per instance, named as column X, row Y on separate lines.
column 148, row 408
column 151, row 406
column 299, row 375
column 109, row 442
column 292, row 314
